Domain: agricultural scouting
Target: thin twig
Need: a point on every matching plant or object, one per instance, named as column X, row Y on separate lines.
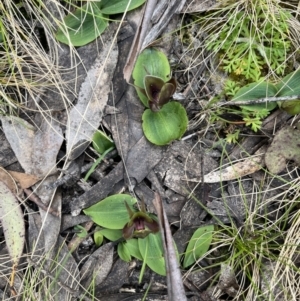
column 34, row 198
column 258, row 101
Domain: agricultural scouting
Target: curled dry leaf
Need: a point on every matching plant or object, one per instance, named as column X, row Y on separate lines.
column 285, row 146
column 237, row 170
column 86, row 115
column 12, row 222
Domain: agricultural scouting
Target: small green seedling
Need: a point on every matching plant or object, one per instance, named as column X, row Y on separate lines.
column 81, row 231
column 164, row 121
column 89, row 21
column 103, row 145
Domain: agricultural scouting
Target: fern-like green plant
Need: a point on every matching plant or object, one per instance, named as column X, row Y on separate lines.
column 253, row 41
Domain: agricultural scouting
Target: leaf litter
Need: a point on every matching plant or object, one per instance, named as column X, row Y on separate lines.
column 193, row 193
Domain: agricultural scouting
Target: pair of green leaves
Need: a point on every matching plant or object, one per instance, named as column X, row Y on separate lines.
column 164, row 121
column 87, row 22
column 118, row 217
column 288, row 86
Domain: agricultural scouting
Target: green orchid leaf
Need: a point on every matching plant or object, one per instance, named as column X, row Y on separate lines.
column 289, row 86
column 111, row 234
column 166, row 125
column 111, row 7
column 158, row 92
column 83, row 26
column 124, row 252
column 133, row 248
column 257, row 91
column 152, row 252
column 111, row 212
column 150, row 62
column 101, row 142
column 198, row 245
column 98, row 238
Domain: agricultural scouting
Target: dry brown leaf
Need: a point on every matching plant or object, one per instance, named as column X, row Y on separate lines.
column 8, row 180
column 25, row 180
column 174, row 279
column 237, row 170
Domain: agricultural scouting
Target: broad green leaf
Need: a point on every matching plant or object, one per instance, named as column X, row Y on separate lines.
column 83, row 26
column 151, row 247
column 257, row 91
column 111, row 7
column 198, row 245
column 166, row 125
column 287, row 87
column 111, row 234
column 123, row 252
column 101, row 142
column 98, row 238
column 150, row 62
column 133, row 248
column 111, row 212
column 12, row 221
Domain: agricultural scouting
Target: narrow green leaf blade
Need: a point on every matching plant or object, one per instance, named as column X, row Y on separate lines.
column 12, row 222
column 111, row 212
column 111, row 7
column 83, row 26
column 198, row 244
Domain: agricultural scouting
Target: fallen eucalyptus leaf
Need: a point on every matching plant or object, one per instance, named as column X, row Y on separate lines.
column 12, row 221
column 285, row 146
column 237, row 170
column 86, row 115
column 36, row 149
